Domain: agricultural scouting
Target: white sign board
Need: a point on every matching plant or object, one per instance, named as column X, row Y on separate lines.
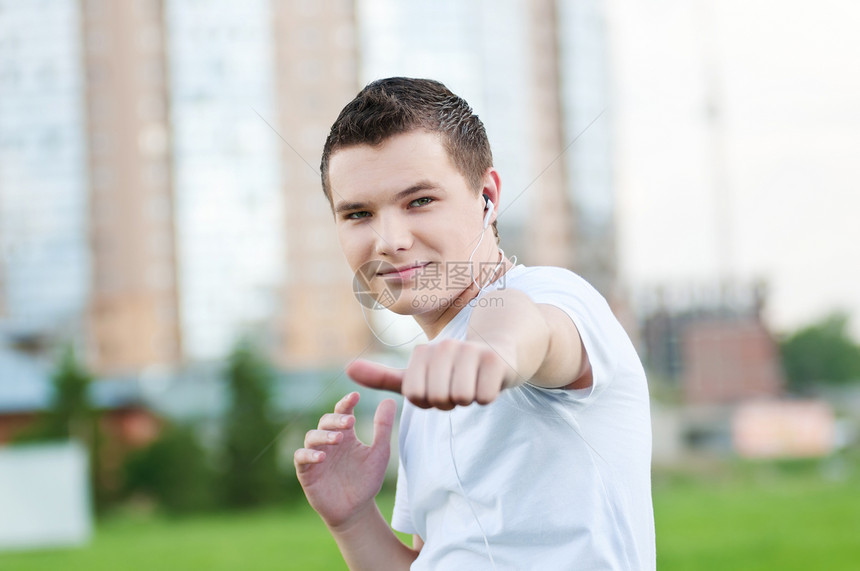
column 44, row 496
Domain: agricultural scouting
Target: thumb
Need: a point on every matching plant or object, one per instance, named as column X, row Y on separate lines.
column 383, row 421
column 375, row 376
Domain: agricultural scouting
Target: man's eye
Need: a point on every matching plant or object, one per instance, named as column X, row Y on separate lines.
column 357, row 215
column 423, row 201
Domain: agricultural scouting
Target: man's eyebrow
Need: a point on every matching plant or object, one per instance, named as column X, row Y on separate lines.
column 344, row 206
column 417, row 187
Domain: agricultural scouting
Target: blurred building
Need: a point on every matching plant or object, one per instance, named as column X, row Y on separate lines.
column 44, row 180
column 712, row 346
column 551, row 224
column 571, row 221
column 133, row 301
column 159, row 193
column 537, row 75
column 729, row 360
column 779, row 429
column 708, row 352
column 459, row 44
column 584, row 84
column 159, row 186
column 317, row 59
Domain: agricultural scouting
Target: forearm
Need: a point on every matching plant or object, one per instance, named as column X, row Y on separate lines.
column 511, row 324
column 368, row 543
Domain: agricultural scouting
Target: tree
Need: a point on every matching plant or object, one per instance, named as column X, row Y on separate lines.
column 821, row 352
column 173, row 471
column 70, row 413
column 251, row 475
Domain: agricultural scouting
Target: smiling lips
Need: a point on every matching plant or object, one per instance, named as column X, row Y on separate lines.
column 403, row 272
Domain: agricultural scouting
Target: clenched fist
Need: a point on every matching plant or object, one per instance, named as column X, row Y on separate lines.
column 443, row 375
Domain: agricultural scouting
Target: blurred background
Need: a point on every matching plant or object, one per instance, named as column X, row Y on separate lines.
column 175, row 311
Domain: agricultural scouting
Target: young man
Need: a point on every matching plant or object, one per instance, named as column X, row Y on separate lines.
column 525, row 436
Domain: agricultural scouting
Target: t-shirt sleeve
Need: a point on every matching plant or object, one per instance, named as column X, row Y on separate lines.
column 589, row 312
column 401, row 518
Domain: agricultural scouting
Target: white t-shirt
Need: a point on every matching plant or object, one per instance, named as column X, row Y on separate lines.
column 558, row 479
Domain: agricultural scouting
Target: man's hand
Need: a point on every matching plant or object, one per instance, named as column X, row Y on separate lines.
column 339, row 474
column 443, row 375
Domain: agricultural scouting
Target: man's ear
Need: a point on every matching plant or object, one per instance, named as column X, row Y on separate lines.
column 492, row 188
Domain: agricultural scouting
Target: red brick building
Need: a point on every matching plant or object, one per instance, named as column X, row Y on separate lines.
column 725, row 361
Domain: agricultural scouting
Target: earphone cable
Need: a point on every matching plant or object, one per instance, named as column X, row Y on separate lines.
column 463, row 491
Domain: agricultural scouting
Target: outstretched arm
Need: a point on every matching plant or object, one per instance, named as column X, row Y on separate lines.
column 341, row 476
column 510, row 340
column 541, row 339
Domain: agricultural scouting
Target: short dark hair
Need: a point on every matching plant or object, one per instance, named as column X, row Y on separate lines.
column 388, row 107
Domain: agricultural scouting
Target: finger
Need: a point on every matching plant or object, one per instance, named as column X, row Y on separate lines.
column 375, row 376
column 315, row 438
column 439, row 370
column 383, row 421
column 336, row 421
column 491, row 375
column 464, row 378
column 347, row 403
column 305, row 456
column 415, row 377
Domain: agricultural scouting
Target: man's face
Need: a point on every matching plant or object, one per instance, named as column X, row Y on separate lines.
column 405, row 205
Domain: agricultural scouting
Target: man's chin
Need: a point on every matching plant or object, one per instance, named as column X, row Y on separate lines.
column 407, row 305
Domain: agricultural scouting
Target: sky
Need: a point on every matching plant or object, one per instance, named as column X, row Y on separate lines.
column 771, row 189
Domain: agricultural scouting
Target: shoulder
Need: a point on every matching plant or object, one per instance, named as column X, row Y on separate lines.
column 550, row 280
column 528, row 274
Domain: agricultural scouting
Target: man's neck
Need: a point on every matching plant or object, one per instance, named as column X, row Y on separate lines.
column 433, row 322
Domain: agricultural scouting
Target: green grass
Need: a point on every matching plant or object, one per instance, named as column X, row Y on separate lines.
column 783, row 517
column 271, row 539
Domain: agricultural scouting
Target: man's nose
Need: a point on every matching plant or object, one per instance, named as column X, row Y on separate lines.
column 393, row 234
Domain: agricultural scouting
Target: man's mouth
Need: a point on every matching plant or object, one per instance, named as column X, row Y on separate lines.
column 403, row 272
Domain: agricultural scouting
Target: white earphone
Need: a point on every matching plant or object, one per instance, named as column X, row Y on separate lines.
column 489, row 208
